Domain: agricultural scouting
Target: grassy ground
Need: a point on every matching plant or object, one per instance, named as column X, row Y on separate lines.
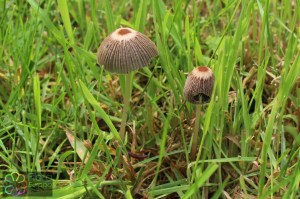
column 60, row 113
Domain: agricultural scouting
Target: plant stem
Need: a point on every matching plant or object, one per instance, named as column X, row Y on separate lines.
column 196, row 132
column 126, row 100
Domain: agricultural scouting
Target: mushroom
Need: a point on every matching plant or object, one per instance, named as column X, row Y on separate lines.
column 197, row 90
column 123, row 51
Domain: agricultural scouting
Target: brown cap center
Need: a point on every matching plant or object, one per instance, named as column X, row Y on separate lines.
column 124, row 31
column 202, row 69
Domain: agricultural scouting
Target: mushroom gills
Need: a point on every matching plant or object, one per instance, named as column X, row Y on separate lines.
column 201, row 97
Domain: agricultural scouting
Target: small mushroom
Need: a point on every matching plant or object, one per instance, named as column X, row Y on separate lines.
column 197, row 90
column 123, row 51
column 199, row 85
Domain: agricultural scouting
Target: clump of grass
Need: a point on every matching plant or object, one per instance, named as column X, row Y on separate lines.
column 59, row 111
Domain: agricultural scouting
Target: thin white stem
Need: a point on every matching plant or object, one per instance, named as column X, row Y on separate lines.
column 126, row 99
column 196, row 132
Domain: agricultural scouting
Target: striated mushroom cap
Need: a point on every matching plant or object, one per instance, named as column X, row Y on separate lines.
column 199, row 85
column 125, row 50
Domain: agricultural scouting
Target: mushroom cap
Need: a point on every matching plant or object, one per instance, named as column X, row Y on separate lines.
column 125, row 50
column 199, row 85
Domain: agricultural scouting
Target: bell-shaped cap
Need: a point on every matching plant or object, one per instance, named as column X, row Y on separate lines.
column 199, row 85
column 125, row 50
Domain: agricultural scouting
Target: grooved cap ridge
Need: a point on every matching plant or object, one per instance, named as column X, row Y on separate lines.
column 125, row 50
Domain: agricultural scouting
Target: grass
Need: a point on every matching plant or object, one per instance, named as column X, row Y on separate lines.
column 60, row 113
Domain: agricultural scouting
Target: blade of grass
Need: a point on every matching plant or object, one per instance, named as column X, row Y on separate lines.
column 90, row 98
column 200, row 180
column 37, row 101
column 64, row 12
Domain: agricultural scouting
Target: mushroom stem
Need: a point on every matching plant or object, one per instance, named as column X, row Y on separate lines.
column 196, row 132
column 126, row 105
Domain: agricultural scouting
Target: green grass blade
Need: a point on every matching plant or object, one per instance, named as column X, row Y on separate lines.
column 64, row 12
column 200, row 180
column 90, row 98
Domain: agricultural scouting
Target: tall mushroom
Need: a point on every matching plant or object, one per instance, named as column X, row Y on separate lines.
column 197, row 90
column 123, row 51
